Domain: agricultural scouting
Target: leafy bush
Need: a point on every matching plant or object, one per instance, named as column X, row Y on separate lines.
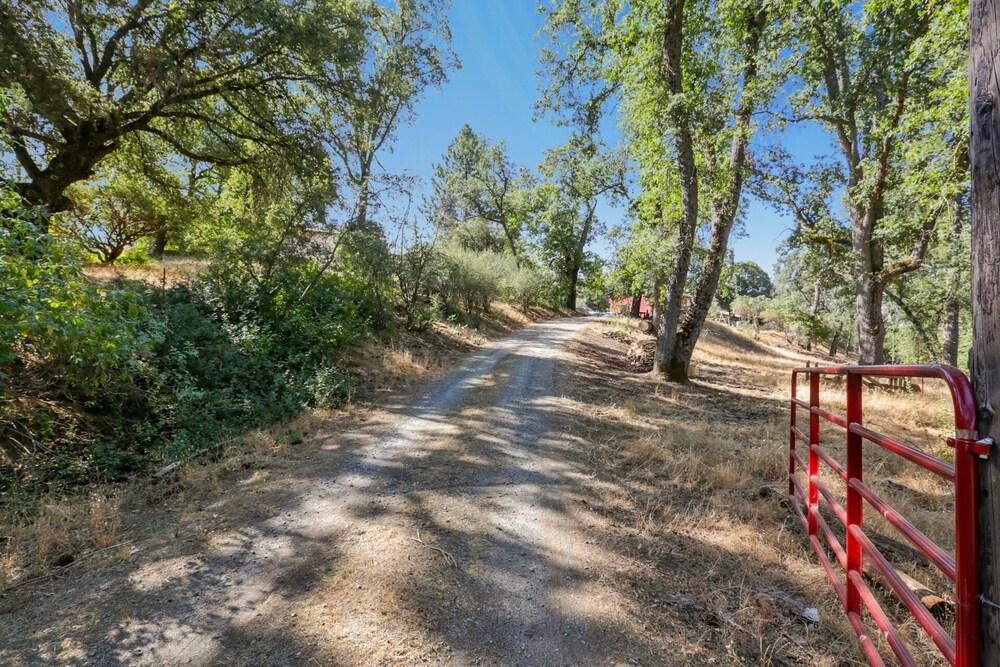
column 135, row 256
column 297, row 317
column 528, row 286
column 468, row 279
column 142, row 376
column 750, row 308
column 799, row 321
column 330, row 386
column 420, row 315
column 414, row 269
column 50, row 316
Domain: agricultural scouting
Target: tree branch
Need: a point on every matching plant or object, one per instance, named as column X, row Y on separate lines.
column 882, row 175
column 73, row 12
column 916, row 259
column 134, row 20
column 191, row 154
column 24, row 157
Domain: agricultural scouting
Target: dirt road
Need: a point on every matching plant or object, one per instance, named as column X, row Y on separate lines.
column 456, row 530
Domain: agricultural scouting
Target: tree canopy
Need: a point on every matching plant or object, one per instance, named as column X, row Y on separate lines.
column 214, row 82
column 743, row 279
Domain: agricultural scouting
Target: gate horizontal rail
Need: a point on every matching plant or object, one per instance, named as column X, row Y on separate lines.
column 962, row 568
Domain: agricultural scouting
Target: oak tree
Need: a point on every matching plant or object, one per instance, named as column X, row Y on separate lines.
column 205, row 78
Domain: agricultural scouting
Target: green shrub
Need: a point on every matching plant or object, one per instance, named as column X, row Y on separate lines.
column 450, row 279
column 420, row 316
column 134, row 256
column 296, row 318
column 469, row 280
column 800, row 322
column 150, row 376
column 528, row 286
column 750, row 307
column 50, row 315
column 330, row 387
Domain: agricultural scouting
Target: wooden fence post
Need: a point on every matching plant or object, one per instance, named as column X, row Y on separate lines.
column 984, row 360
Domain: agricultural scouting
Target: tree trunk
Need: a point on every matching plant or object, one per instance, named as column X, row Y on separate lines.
column 578, row 257
column 813, row 312
column 834, row 341
column 574, row 275
column 511, row 243
column 949, row 343
column 680, row 120
column 708, row 284
column 868, row 290
column 636, row 305
column 723, row 214
column 871, row 327
column 111, row 255
column 984, row 360
column 657, row 305
column 159, row 244
column 952, row 306
column 361, row 215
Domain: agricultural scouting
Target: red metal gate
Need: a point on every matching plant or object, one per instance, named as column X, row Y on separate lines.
column 962, row 650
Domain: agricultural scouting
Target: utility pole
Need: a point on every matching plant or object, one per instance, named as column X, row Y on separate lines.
column 984, row 360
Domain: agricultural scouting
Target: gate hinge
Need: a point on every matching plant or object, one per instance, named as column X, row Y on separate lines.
column 982, row 448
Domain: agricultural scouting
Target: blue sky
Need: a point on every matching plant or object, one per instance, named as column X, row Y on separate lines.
column 494, row 92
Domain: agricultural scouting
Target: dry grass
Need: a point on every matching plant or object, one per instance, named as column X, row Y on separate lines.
column 57, row 533
column 703, row 469
column 105, row 520
column 54, row 533
column 172, row 271
column 395, row 366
